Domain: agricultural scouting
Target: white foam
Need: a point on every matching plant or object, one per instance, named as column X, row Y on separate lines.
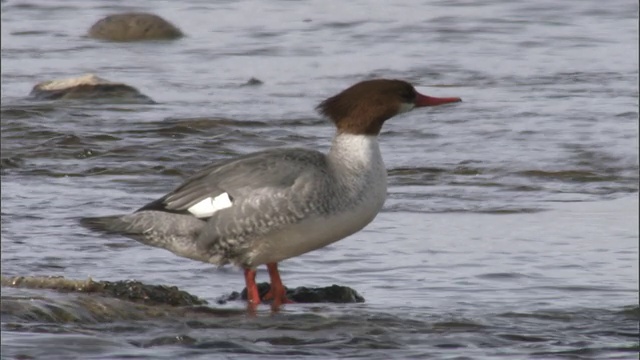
column 209, row 206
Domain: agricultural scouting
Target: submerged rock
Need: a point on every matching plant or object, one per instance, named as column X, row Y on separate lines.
column 139, row 292
column 302, row 294
column 134, row 27
column 253, row 82
column 125, row 290
column 87, row 87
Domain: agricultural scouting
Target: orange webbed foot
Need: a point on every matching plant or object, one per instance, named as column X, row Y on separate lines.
column 277, row 292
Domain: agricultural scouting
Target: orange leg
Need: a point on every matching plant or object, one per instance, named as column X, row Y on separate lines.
column 253, row 297
column 277, row 292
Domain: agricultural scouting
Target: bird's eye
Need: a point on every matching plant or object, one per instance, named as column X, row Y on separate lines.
column 409, row 95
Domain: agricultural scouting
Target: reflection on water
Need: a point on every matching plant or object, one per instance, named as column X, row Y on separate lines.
column 511, row 225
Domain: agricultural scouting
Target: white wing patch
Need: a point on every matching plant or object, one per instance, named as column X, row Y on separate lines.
column 208, row 206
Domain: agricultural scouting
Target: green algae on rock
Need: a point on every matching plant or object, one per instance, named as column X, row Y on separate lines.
column 88, row 87
column 134, row 27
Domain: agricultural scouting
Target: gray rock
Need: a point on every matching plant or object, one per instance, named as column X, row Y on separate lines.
column 88, row 87
column 134, row 27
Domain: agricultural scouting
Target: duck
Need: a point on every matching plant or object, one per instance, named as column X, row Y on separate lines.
column 268, row 206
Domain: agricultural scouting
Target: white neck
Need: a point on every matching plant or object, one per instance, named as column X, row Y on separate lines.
column 356, row 151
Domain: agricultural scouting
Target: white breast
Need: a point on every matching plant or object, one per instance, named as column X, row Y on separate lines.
column 358, row 168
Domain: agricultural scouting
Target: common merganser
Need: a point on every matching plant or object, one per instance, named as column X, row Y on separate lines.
column 268, row 206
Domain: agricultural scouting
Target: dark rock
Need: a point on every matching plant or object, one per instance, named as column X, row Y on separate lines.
column 88, row 87
column 253, row 82
column 152, row 295
column 125, row 290
column 328, row 294
column 332, row 294
column 134, row 27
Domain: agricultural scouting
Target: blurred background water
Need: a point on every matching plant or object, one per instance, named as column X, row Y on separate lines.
column 511, row 225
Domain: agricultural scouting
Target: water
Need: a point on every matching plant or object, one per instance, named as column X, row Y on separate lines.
column 511, row 225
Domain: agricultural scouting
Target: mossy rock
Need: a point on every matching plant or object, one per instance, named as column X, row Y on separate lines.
column 88, row 87
column 134, row 27
column 129, row 290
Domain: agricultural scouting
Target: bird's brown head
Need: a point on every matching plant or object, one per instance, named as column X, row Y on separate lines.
column 365, row 106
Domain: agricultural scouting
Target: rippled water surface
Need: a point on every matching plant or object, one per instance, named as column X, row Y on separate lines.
column 511, row 225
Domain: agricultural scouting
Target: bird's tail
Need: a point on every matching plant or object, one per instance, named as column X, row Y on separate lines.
column 106, row 224
column 174, row 232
